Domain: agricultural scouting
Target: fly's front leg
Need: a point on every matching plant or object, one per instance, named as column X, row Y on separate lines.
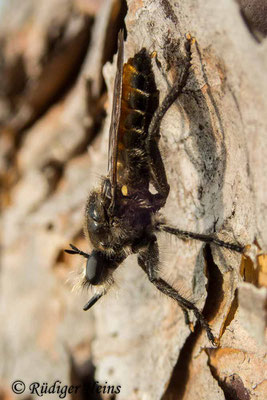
column 148, row 259
column 157, row 169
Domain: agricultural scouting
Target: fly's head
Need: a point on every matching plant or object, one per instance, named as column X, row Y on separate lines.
column 98, row 228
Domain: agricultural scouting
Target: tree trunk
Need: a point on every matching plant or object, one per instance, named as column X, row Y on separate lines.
column 55, row 116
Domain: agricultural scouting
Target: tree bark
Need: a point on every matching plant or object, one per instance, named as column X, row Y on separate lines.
column 55, row 115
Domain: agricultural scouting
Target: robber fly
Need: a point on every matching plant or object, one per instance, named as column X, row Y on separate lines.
column 122, row 216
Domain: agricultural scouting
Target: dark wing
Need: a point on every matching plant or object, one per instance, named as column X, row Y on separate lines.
column 115, row 120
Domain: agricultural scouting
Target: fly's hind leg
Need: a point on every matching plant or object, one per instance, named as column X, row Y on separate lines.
column 157, row 174
column 148, row 259
column 157, row 169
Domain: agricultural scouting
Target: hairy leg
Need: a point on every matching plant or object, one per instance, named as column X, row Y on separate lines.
column 148, row 260
column 157, row 169
column 201, row 237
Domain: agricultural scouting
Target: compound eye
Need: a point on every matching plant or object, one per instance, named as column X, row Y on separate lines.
column 95, row 267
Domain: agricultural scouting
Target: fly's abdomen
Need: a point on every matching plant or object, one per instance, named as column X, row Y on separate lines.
column 139, row 102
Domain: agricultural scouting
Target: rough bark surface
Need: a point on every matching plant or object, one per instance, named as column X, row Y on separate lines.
column 54, row 116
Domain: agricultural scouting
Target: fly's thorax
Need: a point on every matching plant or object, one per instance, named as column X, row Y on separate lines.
column 97, row 221
column 103, row 228
column 132, row 215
